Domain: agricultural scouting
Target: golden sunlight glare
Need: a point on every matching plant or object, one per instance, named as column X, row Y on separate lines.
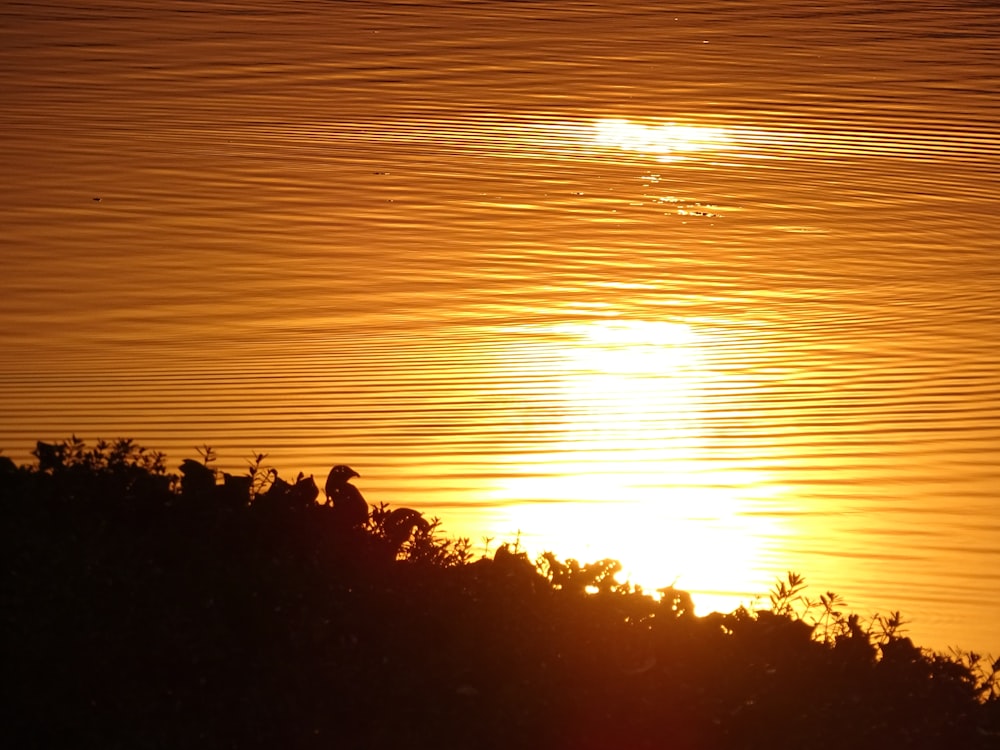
column 632, row 474
column 668, row 142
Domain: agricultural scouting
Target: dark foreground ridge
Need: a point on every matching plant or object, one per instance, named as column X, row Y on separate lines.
column 145, row 610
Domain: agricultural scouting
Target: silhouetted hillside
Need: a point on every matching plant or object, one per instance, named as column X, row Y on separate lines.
column 146, row 610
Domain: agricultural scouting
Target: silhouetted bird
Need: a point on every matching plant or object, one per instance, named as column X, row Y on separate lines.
column 303, row 493
column 197, row 480
column 235, row 490
column 284, row 496
column 401, row 524
column 345, row 498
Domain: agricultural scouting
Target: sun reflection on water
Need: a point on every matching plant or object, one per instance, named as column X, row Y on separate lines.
column 632, row 474
column 668, row 142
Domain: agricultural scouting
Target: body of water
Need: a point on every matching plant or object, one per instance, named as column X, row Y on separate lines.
column 710, row 288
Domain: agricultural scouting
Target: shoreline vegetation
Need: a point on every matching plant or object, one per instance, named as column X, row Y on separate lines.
column 145, row 609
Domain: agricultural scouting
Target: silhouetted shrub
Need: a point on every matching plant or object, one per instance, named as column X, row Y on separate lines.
column 143, row 609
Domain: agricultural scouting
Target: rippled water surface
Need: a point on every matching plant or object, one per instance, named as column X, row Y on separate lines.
column 711, row 288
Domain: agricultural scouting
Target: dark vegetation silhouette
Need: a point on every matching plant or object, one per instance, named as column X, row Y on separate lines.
column 142, row 609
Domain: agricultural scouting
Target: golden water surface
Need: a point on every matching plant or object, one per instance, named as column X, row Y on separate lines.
column 710, row 288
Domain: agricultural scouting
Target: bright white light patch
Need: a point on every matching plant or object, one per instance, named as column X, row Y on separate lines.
column 668, row 141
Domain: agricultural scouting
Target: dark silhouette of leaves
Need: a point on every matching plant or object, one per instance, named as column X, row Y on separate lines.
column 143, row 609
